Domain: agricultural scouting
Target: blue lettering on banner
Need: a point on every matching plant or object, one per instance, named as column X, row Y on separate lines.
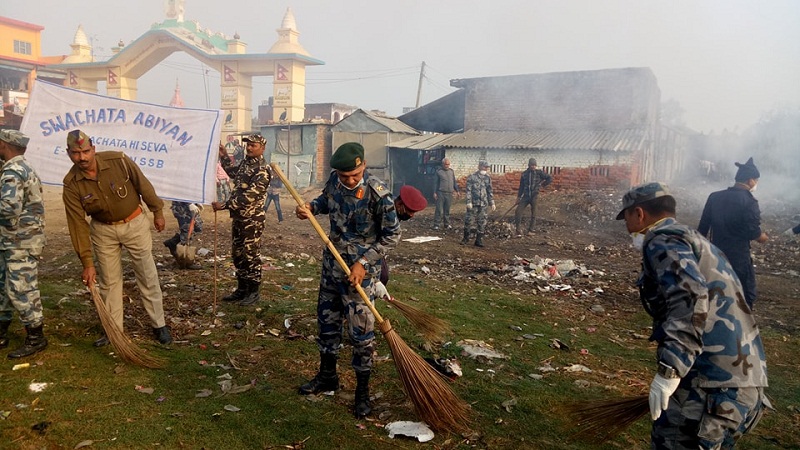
column 74, row 119
column 163, row 126
column 147, row 162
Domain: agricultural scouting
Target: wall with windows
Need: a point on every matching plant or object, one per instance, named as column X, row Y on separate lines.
column 20, row 40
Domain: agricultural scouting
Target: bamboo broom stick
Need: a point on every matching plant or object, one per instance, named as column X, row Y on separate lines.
column 433, row 400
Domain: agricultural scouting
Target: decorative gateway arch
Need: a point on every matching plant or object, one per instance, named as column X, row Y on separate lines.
column 286, row 62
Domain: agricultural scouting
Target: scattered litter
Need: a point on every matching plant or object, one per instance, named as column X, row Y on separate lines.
column 544, row 269
column 81, row 444
column 420, row 240
column 578, row 368
column 37, row 387
column 201, row 252
column 546, row 368
column 231, row 408
column 145, row 390
column 305, row 280
column 4, row 414
column 21, row 366
column 205, row 333
column 508, row 404
column 425, row 269
column 161, row 399
column 204, row 393
column 529, row 336
column 41, row 427
column 474, row 349
column 515, row 328
column 287, row 323
column 417, row 430
column 558, row 345
column 582, row 383
column 289, row 264
column 584, row 351
column 535, row 376
column 274, row 331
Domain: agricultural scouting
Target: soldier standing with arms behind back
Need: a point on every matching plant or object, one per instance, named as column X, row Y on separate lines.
column 711, row 374
column 445, row 186
column 109, row 187
column 363, row 226
column 529, row 184
column 479, row 197
column 246, row 206
column 21, row 242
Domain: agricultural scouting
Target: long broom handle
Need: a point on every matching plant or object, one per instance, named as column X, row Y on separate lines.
column 325, row 239
column 214, row 308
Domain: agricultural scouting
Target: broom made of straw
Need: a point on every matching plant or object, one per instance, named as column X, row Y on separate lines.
column 431, row 327
column 601, row 420
column 434, row 401
column 124, row 347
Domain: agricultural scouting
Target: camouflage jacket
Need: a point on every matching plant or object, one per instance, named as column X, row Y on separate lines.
column 363, row 222
column 531, row 181
column 701, row 322
column 21, row 206
column 479, row 190
column 250, row 182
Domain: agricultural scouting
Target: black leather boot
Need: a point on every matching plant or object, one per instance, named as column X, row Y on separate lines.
column 466, row 236
column 326, row 380
column 362, row 406
column 34, row 343
column 172, row 244
column 239, row 293
column 252, row 295
column 4, row 333
column 479, row 240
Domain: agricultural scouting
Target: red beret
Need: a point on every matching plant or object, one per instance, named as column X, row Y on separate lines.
column 413, row 198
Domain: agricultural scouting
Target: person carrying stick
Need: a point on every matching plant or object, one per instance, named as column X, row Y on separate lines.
column 363, row 226
column 711, row 374
column 109, row 187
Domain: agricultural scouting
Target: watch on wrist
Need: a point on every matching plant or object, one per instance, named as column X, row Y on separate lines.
column 363, row 261
column 667, row 371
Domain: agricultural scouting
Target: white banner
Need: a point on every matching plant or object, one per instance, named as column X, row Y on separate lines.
column 176, row 148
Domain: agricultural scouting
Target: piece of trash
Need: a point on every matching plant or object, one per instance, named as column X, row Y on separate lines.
column 420, row 240
column 287, row 287
column 275, row 332
column 515, row 327
column 535, row 376
column 145, row 390
column 82, row 444
column 21, row 366
column 417, row 430
column 558, row 345
column 161, row 399
column 584, row 351
column 201, row 252
column 289, row 264
column 205, row 333
column 287, row 323
column 425, row 269
column 474, row 349
column 231, row 408
column 4, row 414
column 204, row 393
column 578, row 368
column 305, row 280
column 37, row 387
column 508, row 404
column 41, row 427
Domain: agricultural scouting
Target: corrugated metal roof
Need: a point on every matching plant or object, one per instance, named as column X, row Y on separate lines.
column 613, row 140
column 394, row 125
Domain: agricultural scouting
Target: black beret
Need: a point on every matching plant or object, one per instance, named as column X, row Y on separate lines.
column 347, row 157
column 747, row 171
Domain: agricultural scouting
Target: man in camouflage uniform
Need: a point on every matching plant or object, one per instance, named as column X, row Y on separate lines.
column 21, row 242
column 363, row 226
column 529, row 184
column 709, row 386
column 109, row 187
column 479, row 199
column 183, row 213
column 246, row 206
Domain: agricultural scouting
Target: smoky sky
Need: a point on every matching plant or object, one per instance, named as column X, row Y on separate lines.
column 727, row 62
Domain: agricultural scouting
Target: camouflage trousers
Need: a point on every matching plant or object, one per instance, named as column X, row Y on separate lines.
column 246, row 246
column 521, row 207
column 19, row 268
column 182, row 213
column 338, row 301
column 480, row 215
column 707, row 418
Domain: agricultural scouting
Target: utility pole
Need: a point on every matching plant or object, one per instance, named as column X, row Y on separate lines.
column 419, row 87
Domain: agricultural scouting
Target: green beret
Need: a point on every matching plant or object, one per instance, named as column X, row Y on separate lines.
column 347, row 157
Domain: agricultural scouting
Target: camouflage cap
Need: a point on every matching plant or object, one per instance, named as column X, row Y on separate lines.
column 77, row 138
column 256, row 138
column 641, row 194
column 347, row 157
column 483, row 163
column 532, row 162
column 413, row 198
column 14, row 137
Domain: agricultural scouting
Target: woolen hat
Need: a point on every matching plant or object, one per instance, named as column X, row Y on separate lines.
column 14, row 137
column 412, row 198
column 532, row 162
column 76, row 138
column 255, row 138
column 347, row 157
column 641, row 194
column 746, row 171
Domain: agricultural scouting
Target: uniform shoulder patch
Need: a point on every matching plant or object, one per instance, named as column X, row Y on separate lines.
column 379, row 187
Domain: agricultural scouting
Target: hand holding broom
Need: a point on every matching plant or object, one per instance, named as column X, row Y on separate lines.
column 433, row 400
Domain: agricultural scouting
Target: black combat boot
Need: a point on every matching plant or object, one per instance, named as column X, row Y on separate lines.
column 479, row 240
column 239, row 293
column 252, row 295
column 326, row 380
column 34, row 343
column 362, row 406
column 4, row 333
column 172, row 244
column 466, row 236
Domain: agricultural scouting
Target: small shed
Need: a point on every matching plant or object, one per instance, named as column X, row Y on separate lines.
column 302, row 150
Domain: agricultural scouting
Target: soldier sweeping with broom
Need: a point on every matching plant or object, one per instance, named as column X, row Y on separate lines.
column 711, row 373
column 363, row 226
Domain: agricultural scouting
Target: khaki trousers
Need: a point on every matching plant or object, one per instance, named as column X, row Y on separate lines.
column 107, row 243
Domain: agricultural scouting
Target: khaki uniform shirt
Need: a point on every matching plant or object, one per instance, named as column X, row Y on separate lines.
column 115, row 193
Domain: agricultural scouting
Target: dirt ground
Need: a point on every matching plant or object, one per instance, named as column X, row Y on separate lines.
column 576, row 226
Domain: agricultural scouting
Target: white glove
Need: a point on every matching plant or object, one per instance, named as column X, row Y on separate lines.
column 789, row 232
column 661, row 389
column 195, row 208
column 380, row 291
column 469, row 206
column 494, row 207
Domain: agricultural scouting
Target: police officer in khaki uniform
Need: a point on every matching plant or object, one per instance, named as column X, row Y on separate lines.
column 109, row 187
column 21, row 243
